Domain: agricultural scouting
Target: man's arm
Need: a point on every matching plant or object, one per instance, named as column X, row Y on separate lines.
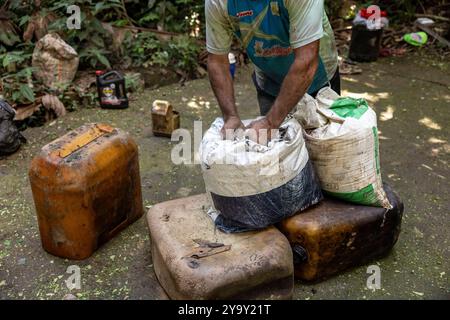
column 298, row 80
column 295, row 85
column 219, row 35
column 222, row 85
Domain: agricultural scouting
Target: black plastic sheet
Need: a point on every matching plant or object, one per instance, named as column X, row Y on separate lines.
column 10, row 137
column 240, row 214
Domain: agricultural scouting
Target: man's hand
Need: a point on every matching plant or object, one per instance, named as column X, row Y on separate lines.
column 232, row 124
column 260, row 131
column 222, row 85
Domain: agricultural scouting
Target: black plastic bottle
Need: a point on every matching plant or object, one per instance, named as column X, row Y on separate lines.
column 111, row 90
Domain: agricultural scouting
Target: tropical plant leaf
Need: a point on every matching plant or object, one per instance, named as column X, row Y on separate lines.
column 27, row 92
column 102, row 59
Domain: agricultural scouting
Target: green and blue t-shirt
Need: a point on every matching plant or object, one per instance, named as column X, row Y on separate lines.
column 270, row 30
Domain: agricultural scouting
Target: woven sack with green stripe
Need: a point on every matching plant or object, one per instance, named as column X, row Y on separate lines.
column 345, row 151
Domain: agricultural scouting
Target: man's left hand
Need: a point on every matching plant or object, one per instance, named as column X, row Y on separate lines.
column 260, row 131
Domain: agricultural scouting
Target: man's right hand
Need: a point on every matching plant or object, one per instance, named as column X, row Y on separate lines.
column 222, row 85
column 232, row 124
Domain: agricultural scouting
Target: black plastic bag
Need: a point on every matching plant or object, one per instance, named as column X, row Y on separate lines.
column 10, row 137
column 259, row 211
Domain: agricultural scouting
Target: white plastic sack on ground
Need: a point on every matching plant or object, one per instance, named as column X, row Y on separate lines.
column 253, row 186
column 345, row 150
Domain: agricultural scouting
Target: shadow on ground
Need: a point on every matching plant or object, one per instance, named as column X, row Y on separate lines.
column 412, row 98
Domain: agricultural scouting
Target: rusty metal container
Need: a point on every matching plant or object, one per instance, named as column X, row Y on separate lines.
column 164, row 119
column 193, row 260
column 86, row 188
column 334, row 236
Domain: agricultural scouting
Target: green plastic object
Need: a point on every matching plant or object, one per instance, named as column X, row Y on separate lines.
column 417, row 39
column 347, row 107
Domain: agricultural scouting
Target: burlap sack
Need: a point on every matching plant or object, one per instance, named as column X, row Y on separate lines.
column 55, row 62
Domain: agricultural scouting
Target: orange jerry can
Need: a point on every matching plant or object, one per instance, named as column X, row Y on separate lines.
column 86, row 188
column 334, row 236
column 164, row 119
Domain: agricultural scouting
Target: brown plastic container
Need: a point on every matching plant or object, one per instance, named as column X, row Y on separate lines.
column 86, row 188
column 194, row 260
column 164, row 119
column 334, row 236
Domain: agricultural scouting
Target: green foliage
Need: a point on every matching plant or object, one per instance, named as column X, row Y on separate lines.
column 94, row 57
column 91, row 40
column 9, row 38
column 96, row 44
column 184, row 51
column 175, row 16
column 16, row 75
column 179, row 53
column 26, row 92
column 133, row 82
column 12, row 57
column 142, row 48
column 15, row 86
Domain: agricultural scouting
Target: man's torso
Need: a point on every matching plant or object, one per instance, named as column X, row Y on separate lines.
column 265, row 31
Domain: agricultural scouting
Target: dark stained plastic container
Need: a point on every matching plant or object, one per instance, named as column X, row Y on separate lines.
column 365, row 44
column 335, row 236
column 111, row 89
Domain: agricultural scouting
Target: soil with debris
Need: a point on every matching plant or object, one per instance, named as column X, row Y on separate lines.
column 411, row 96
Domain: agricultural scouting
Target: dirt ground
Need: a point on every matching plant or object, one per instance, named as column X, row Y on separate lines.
column 412, row 98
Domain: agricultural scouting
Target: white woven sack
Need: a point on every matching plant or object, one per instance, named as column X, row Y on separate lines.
column 344, row 151
column 244, row 168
